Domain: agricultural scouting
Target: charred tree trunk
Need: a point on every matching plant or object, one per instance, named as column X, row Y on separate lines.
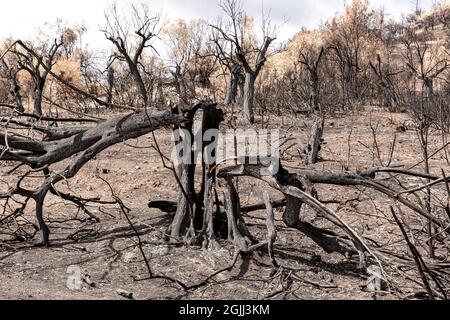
column 314, row 92
column 134, row 69
column 111, row 74
column 14, row 86
column 184, row 216
column 38, row 91
column 43, row 228
column 183, row 222
column 235, row 82
column 232, row 90
column 386, row 85
column 315, row 141
column 249, row 96
column 237, row 230
column 312, row 67
column 195, row 210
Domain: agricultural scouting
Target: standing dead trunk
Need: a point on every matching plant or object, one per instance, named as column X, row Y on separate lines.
column 208, row 203
column 139, row 83
column 14, row 86
column 312, row 67
column 38, row 91
column 386, row 85
column 110, row 84
column 235, row 84
column 184, row 216
column 232, row 89
column 194, row 215
column 237, row 230
column 212, row 117
column 315, row 141
column 183, row 219
column 43, row 228
column 249, row 95
column 314, row 91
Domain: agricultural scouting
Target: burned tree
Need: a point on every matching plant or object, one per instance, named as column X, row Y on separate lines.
column 29, row 64
column 196, row 211
column 350, row 35
column 212, row 215
column 191, row 63
column 130, row 48
column 250, row 56
column 110, row 76
column 311, row 61
column 312, row 66
column 14, row 91
column 384, row 80
column 225, row 53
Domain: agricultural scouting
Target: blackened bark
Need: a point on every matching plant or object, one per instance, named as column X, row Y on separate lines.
column 111, row 74
column 315, row 141
column 232, row 89
column 249, row 96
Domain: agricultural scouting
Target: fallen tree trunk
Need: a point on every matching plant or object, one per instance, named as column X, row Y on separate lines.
column 81, row 146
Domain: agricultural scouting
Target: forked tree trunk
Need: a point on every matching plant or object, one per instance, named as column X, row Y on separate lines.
column 194, row 215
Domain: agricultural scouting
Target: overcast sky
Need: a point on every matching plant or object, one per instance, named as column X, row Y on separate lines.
column 19, row 18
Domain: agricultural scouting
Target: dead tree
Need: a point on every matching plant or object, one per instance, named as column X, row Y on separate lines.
column 32, row 66
column 225, row 53
column 110, row 75
column 349, row 36
column 312, row 66
column 78, row 145
column 251, row 57
column 237, row 80
column 316, row 140
column 192, row 63
column 194, row 209
column 384, row 80
column 11, row 73
column 130, row 51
